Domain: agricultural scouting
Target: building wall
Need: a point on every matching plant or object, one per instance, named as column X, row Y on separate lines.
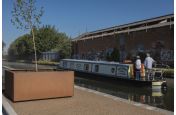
column 155, row 41
column 97, row 44
column 149, row 38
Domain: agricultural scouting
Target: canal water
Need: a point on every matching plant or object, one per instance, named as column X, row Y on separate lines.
column 147, row 95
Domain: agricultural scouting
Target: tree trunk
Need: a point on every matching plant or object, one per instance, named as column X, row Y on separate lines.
column 33, row 38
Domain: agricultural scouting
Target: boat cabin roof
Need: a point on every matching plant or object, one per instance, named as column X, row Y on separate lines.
column 98, row 62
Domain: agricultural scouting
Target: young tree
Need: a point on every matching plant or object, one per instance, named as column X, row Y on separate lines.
column 26, row 16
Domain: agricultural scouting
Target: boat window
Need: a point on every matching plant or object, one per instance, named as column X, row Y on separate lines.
column 78, row 66
column 65, row 64
column 86, row 67
column 112, row 70
column 96, row 68
column 71, row 65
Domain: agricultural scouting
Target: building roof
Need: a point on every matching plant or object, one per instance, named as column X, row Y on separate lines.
column 130, row 27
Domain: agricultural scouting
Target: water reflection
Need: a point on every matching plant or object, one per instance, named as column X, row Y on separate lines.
column 154, row 96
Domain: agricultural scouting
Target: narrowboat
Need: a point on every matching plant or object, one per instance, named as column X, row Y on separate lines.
column 112, row 69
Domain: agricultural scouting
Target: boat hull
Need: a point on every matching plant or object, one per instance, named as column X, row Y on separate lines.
column 112, row 79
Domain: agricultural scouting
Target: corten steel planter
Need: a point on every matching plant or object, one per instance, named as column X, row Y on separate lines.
column 29, row 85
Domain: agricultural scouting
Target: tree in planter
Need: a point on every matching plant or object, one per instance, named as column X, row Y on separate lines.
column 26, row 16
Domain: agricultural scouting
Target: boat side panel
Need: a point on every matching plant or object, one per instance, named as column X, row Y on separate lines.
column 104, row 69
column 61, row 64
column 115, row 70
column 123, row 71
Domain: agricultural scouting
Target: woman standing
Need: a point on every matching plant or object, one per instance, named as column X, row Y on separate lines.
column 138, row 68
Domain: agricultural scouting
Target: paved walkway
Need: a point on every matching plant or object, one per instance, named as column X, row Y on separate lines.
column 85, row 102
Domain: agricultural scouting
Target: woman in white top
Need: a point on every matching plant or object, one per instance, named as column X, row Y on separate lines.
column 138, row 68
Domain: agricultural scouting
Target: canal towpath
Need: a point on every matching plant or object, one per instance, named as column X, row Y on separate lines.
column 85, row 102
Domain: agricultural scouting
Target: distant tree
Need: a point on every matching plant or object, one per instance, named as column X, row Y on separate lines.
column 12, row 51
column 63, row 45
column 115, row 55
column 3, row 45
column 108, row 57
column 26, row 16
column 142, row 56
column 47, row 38
column 21, row 48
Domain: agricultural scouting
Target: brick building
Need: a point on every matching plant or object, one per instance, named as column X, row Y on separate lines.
column 155, row 35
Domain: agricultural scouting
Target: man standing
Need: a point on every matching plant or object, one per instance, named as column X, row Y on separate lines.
column 148, row 65
column 138, row 68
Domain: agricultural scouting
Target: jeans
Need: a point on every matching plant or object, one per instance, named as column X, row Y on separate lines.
column 138, row 74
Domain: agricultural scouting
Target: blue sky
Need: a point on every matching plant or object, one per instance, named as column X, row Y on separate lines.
column 76, row 16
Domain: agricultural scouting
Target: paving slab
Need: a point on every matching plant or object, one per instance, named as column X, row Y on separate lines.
column 85, row 102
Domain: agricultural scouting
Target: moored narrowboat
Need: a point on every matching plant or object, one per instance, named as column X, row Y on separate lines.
column 112, row 69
